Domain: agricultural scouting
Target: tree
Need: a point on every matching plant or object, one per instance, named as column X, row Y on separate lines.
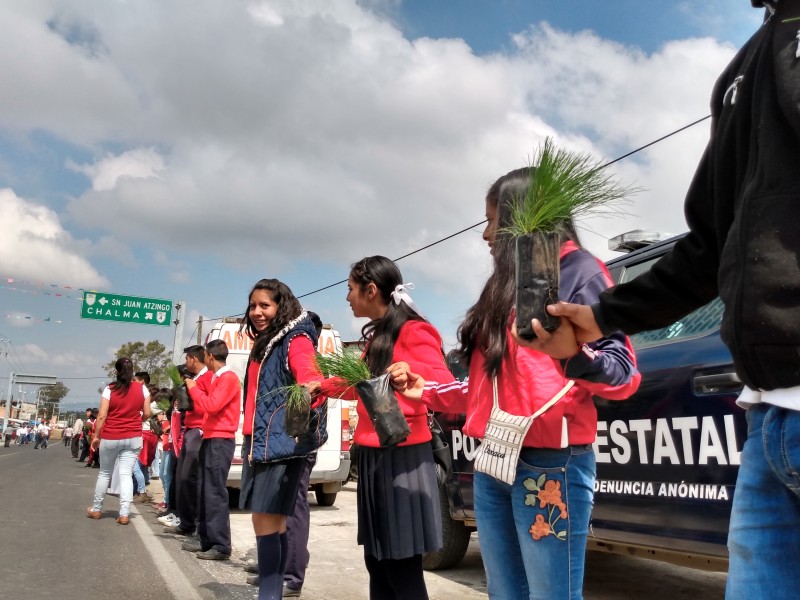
column 54, row 393
column 152, row 357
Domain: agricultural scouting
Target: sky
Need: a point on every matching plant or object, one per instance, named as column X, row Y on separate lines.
column 184, row 150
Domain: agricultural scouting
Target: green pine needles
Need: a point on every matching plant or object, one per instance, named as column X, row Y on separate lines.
column 174, row 376
column 564, row 185
column 297, row 397
column 345, row 365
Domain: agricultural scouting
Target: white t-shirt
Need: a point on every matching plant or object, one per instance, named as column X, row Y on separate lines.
column 785, row 398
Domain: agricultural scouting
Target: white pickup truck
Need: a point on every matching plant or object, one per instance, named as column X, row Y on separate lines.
column 333, row 458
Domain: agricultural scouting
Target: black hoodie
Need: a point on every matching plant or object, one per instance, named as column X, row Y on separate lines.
column 743, row 212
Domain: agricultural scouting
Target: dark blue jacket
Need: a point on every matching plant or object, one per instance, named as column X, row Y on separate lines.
column 270, row 442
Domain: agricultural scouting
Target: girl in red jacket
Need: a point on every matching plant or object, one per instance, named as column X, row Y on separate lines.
column 398, row 502
column 533, row 532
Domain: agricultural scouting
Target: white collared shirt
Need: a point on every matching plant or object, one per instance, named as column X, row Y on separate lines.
column 202, row 372
column 220, row 372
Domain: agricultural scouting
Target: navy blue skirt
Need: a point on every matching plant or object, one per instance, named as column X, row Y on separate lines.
column 398, row 501
column 269, row 487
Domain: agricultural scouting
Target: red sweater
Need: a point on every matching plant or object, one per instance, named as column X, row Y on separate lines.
column 124, row 419
column 527, row 381
column 220, row 404
column 301, row 364
column 176, row 431
column 194, row 418
column 420, row 345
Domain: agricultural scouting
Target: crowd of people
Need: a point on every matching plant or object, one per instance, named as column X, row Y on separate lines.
column 37, row 432
column 530, row 549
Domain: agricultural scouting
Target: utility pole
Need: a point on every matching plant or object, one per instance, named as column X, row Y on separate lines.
column 177, row 346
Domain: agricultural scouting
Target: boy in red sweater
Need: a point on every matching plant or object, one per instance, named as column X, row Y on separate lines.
column 221, row 407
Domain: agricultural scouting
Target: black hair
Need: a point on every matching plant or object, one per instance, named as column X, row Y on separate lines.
column 124, row 368
column 195, row 351
column 381, row 334
column 218, row 349
column 289, row 308
column 316, row 321
column 486, row 323
column 162, row 394
column 143, row 375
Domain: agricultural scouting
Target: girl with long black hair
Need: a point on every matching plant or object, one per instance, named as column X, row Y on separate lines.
column 283, row 353
column 124, row 404
column 398, row 500
column 533, row 532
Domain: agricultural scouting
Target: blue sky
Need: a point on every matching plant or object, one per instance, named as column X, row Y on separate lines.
column 185, row 150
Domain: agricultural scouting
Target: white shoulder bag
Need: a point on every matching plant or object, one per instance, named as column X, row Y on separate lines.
column 498, row 454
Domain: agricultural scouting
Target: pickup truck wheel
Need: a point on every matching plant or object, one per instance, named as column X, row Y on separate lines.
column 324, row 498
column 455, row 535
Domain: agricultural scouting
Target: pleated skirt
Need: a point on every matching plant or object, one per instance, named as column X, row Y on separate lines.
column 270, row 487
column 398, row 501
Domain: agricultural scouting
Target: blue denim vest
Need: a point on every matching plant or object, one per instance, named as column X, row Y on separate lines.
column 270, row 441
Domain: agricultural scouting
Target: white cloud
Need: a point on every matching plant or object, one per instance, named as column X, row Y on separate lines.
column 33, row 243
column 141, row 163
column 315, row 131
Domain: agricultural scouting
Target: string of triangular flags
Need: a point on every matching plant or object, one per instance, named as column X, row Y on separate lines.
column 42, row 289
column 21, row 317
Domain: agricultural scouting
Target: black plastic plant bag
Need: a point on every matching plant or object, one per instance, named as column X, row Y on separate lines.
column 184, row 399
column 537, row 278
column 298, row 416
column 384, row 411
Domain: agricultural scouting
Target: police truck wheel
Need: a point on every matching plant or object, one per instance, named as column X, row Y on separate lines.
column 455, row 535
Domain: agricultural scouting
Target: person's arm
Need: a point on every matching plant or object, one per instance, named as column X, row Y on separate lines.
column 100, row 422
column 420, row 345
column 303, row 366
column 146, row 412
column 450, row 396
column 218, row 398
column 336, row 387
column 198, row 394
column 607, row 367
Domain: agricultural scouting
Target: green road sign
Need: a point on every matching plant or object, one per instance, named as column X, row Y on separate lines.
column 127, row 309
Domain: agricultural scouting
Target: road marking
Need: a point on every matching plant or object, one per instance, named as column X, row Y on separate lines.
column 169, row 570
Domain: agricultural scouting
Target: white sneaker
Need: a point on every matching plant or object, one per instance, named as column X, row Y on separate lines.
column 169, row 519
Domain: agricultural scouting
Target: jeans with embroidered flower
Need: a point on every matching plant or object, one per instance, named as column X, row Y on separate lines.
column 764, row 533
column 533, row 533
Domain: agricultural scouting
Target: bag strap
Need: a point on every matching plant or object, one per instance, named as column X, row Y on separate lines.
column 547, row 406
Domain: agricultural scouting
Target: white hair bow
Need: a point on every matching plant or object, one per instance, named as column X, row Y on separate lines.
column 401, row 295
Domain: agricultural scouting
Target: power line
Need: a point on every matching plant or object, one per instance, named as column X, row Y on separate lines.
column 444, row 239
column 471, row 227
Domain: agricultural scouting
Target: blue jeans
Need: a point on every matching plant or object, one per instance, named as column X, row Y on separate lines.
column 128, row 452
column 533, row 533
column 764, row 534
column 138, row 475
column 165, row 473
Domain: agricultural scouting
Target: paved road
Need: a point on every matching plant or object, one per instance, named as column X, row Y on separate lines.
column 49, row 544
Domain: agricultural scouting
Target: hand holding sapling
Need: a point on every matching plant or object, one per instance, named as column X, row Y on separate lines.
column 582, row 319
column 559, row 344
column 408, row 383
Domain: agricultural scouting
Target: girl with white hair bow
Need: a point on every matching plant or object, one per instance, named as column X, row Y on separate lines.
column 398, row 503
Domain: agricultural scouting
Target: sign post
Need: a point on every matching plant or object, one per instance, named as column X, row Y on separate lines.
column 103, row 306
column 26, row 379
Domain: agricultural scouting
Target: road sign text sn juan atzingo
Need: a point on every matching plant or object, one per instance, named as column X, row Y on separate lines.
column 127, row 309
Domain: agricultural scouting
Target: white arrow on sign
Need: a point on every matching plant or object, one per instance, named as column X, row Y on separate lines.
column 103, row 301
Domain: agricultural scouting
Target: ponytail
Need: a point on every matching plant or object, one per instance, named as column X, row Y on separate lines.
column 124, row 367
